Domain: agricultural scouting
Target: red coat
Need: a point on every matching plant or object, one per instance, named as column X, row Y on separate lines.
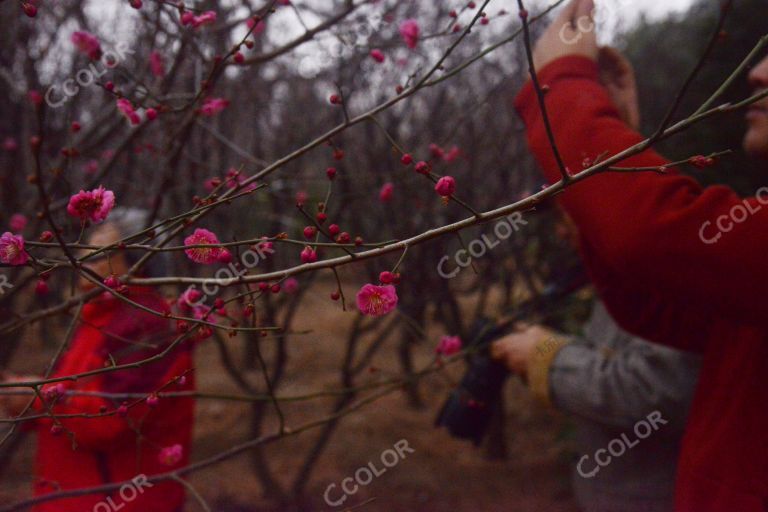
column 643, row 240
column 107, row 449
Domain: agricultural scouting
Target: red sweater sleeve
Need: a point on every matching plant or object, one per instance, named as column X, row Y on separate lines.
column 650, row 241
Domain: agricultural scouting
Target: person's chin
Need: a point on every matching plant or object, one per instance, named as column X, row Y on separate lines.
column 756, row 142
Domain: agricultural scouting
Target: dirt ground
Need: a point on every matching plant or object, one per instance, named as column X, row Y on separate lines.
column 442, row 473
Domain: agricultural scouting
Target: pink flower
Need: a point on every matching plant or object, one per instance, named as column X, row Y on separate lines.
column 53, row 392
column 409, row 30
column 448, row 345
column 191, row 298
column 212, row 106
column 205, row 255
column 225, row 256
column 207, row 18
column 91, row 166
column 436, row 151
column 378, row 55
column 385, row 194
column 157, row 64
column 29, row 9
column 170, row 455
column 452, row 154
column 35, row 97
column 308, row 255
column 445, row 186
column 375, row 300
column 301, row 197
column 12, row 249
column 88, row 44
column 18, row 223
column 126, row 107
column 41, row 287
column 236, row 178
column 291, row 285
column 187, row 17
column 10, row 144
column 94, row 205
column 258, row 27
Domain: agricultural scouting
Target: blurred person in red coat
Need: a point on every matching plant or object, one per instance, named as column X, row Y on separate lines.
column 127, row 439
column 674, row 262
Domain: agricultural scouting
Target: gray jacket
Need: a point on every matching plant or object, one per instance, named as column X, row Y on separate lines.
column 631, row 401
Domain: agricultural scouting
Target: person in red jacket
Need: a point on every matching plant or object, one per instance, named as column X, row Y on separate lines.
column 126, row 439
column 675, row 263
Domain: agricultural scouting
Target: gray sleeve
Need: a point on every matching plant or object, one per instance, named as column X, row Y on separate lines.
column 622, row 382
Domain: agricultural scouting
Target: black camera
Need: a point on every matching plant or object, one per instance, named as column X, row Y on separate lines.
column 469, row 409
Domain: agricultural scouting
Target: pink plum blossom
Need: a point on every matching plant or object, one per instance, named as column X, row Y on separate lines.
column 10, row 144
column 205, row 255
column 258, row 27
column 375, row 300
column 452, row 154
column 448, row 345
column 212, row 106
column 17, row 223
column 207, row 18
column 378, row 55
column 157, row 64
column 385, row 194
column 235, row 179
column 446, row 186
column 87, row 43
column 190, row 299
column 126, row 107
column 308, row 255
column 291, row 285
column 170, row 455
column 12, row 249
column 93, row 205
column 409, row 30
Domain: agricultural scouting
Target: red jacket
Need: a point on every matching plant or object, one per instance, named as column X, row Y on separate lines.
column 642, row 240
column 109, row 449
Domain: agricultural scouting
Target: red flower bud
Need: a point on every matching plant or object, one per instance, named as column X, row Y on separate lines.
column 29, row 9
column 308, row 255
column 446, row 186
column 41, row 288
column 309, row 232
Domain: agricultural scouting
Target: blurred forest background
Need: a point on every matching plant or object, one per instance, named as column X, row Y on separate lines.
column 277, row 105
